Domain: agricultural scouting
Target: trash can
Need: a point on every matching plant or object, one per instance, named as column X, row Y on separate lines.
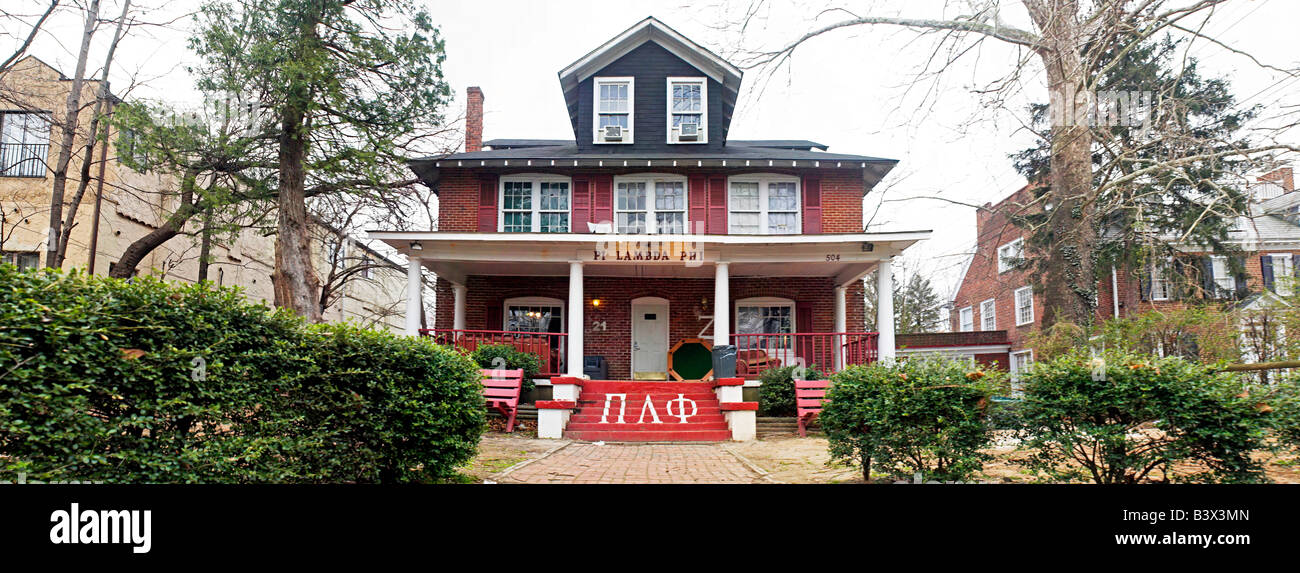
column 595, row 367
column 724, row 361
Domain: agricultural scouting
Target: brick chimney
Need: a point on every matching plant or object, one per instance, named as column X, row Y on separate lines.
column 473, row 119
column 1283, row 176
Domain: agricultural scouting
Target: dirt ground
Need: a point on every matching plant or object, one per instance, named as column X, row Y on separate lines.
column 789, row 459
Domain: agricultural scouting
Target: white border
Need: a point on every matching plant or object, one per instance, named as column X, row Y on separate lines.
column 536, row 179
column 649, row 179
column 704, row 109
column 1015, row 303
column 631, row 330
column 763, row 180
column 595, row 109
column 534, row 301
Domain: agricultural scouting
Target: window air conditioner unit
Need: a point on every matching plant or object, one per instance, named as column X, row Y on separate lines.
column 613, row 133
column 688, row 132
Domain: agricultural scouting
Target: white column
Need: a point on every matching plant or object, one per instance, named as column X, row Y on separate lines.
column 576, row 322
column 414, row 298
column 885, row 310
column 721, row 305
column 458, row 315
column 841, row 325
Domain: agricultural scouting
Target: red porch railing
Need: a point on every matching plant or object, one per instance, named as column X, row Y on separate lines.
column 549, row 346
column 826, row 351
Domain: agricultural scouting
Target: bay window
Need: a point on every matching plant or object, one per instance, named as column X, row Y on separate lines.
column 763, row 205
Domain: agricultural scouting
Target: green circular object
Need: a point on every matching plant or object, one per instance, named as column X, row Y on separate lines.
column 692, row 360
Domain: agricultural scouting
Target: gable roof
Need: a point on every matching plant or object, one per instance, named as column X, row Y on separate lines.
column 651, row 30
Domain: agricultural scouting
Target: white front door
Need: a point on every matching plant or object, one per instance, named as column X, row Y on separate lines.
column 650, row 339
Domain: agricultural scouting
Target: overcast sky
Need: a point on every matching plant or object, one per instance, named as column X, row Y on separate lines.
column 856, row 90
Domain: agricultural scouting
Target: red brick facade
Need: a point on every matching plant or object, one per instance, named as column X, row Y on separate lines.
column 982, row 280
column 688, row 299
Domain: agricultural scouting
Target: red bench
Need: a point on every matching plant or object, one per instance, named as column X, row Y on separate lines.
column 501, row 389
column 809, row 396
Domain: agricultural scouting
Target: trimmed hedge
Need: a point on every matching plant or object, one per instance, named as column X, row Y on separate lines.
column 776, row 391
column 507, row 357
column 147, row 382
column 916, row 416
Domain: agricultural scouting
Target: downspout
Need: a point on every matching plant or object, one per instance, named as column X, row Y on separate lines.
column 1114, row 290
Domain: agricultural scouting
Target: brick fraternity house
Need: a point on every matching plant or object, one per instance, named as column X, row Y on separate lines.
column 995, row 293
column 648, row 235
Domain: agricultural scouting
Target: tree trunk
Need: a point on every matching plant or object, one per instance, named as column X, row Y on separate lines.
column 138, row 250
column 294, row 281
column 101, row 103
column 53, row 239
column 205, row 245
column 1067, row 256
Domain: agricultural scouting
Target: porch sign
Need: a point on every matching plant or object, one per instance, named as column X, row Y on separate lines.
column 648, row 407
column 688, row 252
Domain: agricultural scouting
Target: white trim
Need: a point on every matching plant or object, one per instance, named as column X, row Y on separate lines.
column 962, row 313
column 1288, row 278
column 534, row 301
column 704, row 109
column 1227, row 291
column 1014, row 371
column 650, row 179
column 651, row 28
column 984, row 316
column 596, row 136
column 536, row 179
column 972, row 350
column 631, row 329
column 408, row 236
column 764, row 180
column 1003, row 266
column 1016, row 305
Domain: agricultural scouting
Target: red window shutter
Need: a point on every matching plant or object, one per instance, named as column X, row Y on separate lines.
column 699, row 202
column 602, row 198
column 718, row 205
column 493, row 318
column 581, row 205
column 812, row 206
column 487, row 204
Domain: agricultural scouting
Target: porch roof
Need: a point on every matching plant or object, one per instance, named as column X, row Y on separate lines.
column 844, row 257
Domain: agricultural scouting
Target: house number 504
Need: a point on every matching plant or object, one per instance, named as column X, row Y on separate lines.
column 832, row 257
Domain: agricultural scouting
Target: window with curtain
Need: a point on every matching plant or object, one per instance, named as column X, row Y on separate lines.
column 534, row 204
column 654, row 205
column 763, row 205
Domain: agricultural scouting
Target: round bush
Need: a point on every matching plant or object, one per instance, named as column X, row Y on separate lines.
column 507, row 357
column 149, row 382
column 1128, row 418
column 917, row 416
column 776, row 390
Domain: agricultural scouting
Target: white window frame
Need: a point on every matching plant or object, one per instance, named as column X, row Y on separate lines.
column 1019, row 245
column 1015, row 368
column 1158, row 276
column 768, row 302
column 1019, row 320
column 536, row 179
column 597, row 134
column 650, row 179
column 764, row 181
column 966, row 319
column 534, row 301
column 1224, row 290
column 989, row 310
column 1283, row 283
column 703, row 113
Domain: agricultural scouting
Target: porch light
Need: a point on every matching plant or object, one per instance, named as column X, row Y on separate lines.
column 595, row 302
column 416, row 246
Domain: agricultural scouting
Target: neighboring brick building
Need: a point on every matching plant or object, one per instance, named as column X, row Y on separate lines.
column 651, row 207
column 1269, row 236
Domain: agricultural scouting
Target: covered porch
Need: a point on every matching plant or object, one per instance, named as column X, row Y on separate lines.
column 782, row 300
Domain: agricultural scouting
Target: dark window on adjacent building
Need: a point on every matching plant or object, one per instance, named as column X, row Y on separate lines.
column 24, row 143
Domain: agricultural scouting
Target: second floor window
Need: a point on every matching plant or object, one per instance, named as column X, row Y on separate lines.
column 24, row 143
column 1010, row 255
column 613, row 108
column 967, row 320
column 763, row 206
column 989, row 315
column 1024, row 305
column 534, row 205
column 654, row 205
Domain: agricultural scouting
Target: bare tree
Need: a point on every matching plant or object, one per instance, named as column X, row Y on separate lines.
column 27, row 40
column 1074, row 43
column 69, row 132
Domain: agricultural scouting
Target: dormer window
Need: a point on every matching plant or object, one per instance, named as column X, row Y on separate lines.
column 687, row 111
column 613, row 110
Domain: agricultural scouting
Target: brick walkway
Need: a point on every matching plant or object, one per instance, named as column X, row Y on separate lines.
column 635, row 463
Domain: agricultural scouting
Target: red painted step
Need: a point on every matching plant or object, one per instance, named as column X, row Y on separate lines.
column 706, row 422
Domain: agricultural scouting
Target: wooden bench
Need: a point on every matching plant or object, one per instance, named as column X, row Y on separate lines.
column 809, row 395
column 751, row 363
column 501, row 389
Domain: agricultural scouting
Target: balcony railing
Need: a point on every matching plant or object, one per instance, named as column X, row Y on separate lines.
column 823, row 351
column 23, row 159
column 548, row 346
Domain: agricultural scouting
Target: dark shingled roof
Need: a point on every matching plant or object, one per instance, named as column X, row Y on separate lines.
column 497, row 144
column 514, row 153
